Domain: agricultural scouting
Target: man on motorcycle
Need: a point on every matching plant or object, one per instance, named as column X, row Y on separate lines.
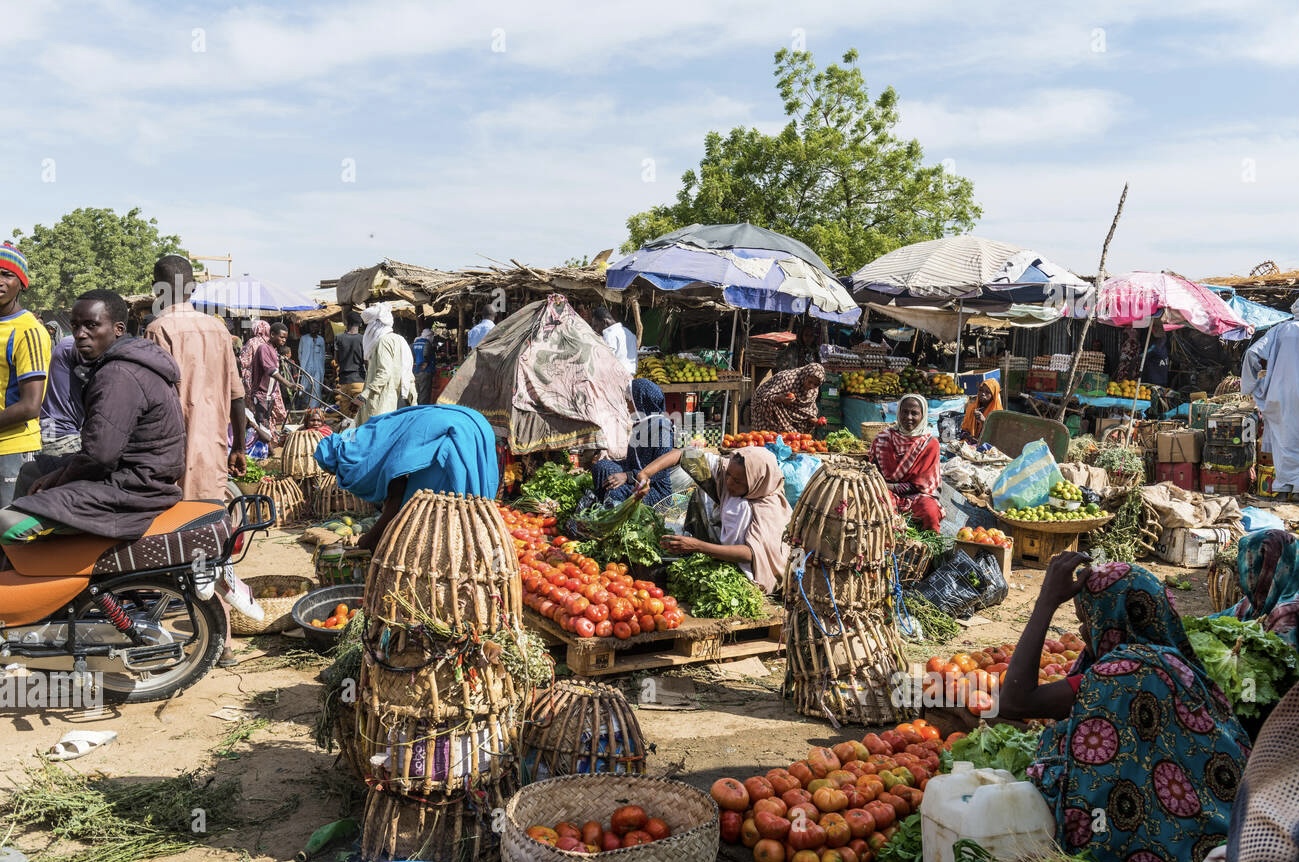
column 132, row 443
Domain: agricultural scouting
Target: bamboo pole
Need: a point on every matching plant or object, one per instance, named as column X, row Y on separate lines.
column 1100, row 279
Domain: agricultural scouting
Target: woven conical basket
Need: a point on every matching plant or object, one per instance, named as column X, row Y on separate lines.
column 845, row 516
column 299, row 452
column 463, row 826
column 579, row 726
column 329, row 499
column 286, row 493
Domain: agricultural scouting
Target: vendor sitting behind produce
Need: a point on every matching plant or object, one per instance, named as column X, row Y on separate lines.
column 652, row 436
column 907, row 456
column 1268, row 568
column 1142, row 733
column 749, row 491
column 786, row 401
column 977, row 411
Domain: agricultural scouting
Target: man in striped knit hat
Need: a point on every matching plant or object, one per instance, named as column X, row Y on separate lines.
column 26, row 347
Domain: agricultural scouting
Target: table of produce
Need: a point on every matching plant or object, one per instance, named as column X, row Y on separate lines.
column 795, row 441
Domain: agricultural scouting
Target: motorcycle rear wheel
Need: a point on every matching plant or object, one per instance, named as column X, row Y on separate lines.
column 160, row 598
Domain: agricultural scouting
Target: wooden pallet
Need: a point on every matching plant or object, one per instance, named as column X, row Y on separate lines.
column 696, row 640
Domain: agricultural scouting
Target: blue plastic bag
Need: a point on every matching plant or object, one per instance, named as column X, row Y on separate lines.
column 1253, row 519
column 1026, row 481
column 797, row 469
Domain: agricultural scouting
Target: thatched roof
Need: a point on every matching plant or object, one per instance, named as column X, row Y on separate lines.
column 432, row 287
column 1266, row 284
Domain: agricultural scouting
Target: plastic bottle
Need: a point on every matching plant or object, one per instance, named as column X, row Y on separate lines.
column 339, row 830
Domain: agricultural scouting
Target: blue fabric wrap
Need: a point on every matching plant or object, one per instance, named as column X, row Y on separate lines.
column 440, row 447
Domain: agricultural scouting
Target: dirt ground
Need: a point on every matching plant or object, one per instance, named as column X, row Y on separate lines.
column 741, row 727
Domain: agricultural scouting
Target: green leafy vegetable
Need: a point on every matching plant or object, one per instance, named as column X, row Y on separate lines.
column 904, row 846
column 554, row 490
column 635, row 542
column 600, row 522
column 844, row 440
column 1000, row 746
column 937, row 544
column 1253, row 667
column 714, row 589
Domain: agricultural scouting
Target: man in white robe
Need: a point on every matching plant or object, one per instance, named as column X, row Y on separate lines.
column 1270, row 374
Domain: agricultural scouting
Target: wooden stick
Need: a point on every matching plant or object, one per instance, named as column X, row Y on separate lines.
column 1100, row 279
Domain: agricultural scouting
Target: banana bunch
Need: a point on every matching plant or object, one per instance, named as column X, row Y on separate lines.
column 653, row 369
column 886, row 384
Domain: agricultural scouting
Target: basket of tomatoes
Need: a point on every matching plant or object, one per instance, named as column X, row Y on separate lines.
column 642, row 819
column 324, row 613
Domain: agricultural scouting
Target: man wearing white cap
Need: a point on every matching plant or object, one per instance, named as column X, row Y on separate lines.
column 389, row 366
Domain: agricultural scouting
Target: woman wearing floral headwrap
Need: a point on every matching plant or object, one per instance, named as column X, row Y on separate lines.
column 1144, row 759
column 1268, row 567
column 786, row 402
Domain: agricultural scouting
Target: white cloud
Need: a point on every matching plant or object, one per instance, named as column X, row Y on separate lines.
column 1041, row 116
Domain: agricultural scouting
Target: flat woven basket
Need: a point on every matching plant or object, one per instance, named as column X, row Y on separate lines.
column 1079, row 527
column 691, row 815
column 278, row 616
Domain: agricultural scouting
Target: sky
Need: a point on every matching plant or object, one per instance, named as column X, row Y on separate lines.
column 309, row 139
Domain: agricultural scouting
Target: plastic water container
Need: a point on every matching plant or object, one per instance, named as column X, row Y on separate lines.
column 1007, row 817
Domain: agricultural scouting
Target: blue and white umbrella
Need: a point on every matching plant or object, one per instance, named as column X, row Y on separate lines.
column 249, row 294
column 775, row 277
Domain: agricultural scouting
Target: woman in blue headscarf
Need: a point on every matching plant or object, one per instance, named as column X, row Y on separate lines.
column 1144, row 759
column 1268, row 568
column 652, row 435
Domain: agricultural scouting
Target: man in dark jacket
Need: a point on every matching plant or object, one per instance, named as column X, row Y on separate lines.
column 132, row 443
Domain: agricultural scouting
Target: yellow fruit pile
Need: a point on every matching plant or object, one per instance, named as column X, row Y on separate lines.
column 1128, row 389
column 674, row 369
column 943, row 386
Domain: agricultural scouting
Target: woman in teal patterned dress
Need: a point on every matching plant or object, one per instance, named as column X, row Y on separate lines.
column 1143, row 761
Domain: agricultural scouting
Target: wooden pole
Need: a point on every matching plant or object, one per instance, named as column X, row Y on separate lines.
column 1100, row 279
column 460, row 330
column 635, row 316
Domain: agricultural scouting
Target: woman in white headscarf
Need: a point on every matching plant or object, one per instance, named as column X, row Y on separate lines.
column 389, row 366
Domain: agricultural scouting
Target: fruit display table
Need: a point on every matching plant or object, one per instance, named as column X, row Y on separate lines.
column 738, row 385
column 1036, row 542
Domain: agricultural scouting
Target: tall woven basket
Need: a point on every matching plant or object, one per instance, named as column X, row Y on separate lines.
column 439, row 712
column 579, row 726
column 691, row 814
column 298, row 457
column 286, row 494
column 844, row 669
column 454, row 828
column 845, row 516
column 329, row 499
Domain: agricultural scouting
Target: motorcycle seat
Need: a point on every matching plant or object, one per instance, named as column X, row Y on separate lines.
column 188, row 530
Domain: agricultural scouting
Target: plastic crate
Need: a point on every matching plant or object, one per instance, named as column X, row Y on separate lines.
column 1094, row 383
column 1228, row 456
column 1223, row 483
column 1184, row 475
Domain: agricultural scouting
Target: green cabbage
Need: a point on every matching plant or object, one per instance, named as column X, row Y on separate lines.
column 1251, row 666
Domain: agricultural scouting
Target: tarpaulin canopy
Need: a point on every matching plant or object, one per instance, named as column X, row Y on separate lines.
column 545, row 381
column 1257, row 315
column 946, row 324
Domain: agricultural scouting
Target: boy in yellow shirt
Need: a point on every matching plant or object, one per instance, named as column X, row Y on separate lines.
column 26, row 347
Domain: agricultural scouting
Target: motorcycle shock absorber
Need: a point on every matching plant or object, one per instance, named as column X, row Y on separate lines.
column 112, row 609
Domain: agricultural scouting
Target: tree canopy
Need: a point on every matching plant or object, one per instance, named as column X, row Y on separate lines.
column 835, row 177
column 91, row 248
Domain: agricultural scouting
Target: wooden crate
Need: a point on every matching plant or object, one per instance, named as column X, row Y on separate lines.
column 1035, row 548
column 696, row 640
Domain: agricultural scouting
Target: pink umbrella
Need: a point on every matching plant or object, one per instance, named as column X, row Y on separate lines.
column 1136, row 298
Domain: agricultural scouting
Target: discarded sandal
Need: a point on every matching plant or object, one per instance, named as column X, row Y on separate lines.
column 77, row 743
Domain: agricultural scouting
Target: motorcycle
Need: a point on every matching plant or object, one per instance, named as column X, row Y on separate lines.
column 142, row 619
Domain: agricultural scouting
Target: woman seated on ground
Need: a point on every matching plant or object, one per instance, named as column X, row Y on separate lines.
column 907, row 455
column 1142, row 734
column 1268, row 568
column 651, row 436
column 976, row 412
column 786, row 401
column 749, row 492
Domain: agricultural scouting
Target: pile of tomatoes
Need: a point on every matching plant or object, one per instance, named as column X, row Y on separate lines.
column 339, row 619
column 795, row 441
column 974, row 678
column 982, row 536
column 629, row 826
column 840, row 804
column 571, row 589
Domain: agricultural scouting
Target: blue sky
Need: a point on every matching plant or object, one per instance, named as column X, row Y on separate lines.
column 310, row 139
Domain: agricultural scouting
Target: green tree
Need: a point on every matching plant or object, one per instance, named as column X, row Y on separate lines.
column 836, row 177
column 91, row 248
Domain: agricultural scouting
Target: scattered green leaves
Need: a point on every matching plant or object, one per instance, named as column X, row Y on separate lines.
column 714, row 589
